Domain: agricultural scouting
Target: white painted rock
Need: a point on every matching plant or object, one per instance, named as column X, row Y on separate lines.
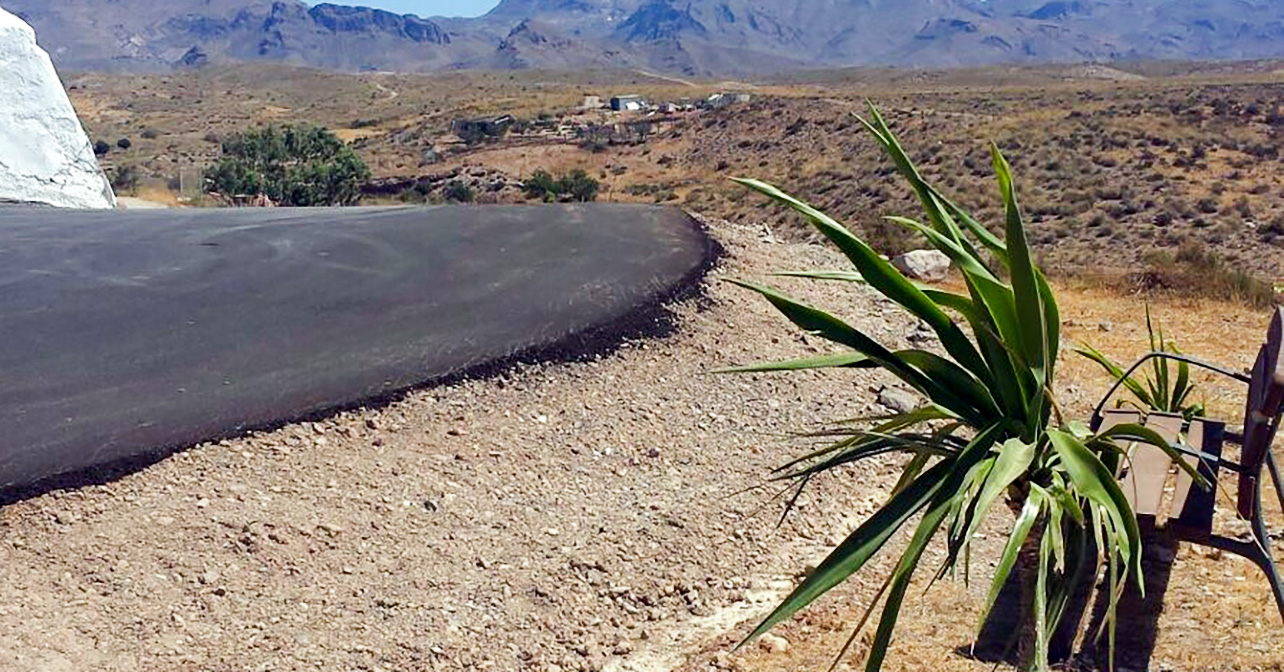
column 45, row 156
column 925, row 265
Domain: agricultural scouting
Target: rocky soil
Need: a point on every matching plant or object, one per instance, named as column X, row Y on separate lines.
column 559, row 517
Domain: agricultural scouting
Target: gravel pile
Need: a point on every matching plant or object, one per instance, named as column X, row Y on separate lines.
column 573, row 516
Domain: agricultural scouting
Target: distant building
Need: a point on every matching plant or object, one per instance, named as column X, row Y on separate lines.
column 591, row 103
column 631, row 103
column 723, row 99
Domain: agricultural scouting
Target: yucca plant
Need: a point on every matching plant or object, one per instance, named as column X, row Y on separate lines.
column 990, row 428
column 1162, row 389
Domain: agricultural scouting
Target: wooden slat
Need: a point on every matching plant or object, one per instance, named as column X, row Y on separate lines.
column 1115, row 418
column 1144, row 484
column 1192, row 510
column 1266, row 394
column 1118, row 417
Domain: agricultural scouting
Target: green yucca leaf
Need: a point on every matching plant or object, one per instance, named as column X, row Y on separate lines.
column 942, row 501
column 965, row 260
column 1159, row 390
column 1014, row 459
column 836, row 361
column 1097, row 483
column 987, row 429
column 1117, row 372
column 829, row 327
column 841, row 276
column 859, row 546
column 1030, row 512
column 1025, row 285
column 901, row 577
column 882, row 276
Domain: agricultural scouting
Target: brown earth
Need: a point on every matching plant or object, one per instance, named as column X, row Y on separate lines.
column 589, row 515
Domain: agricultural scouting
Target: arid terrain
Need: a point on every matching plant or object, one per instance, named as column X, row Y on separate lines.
column 599, row 515
column 614, row 514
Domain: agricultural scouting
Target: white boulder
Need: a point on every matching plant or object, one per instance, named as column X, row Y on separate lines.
column 45, row 156
column 925, row 265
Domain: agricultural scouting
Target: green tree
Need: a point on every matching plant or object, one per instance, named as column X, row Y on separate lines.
column 298, row 165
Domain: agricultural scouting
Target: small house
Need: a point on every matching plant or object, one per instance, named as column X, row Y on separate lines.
column 630, row 103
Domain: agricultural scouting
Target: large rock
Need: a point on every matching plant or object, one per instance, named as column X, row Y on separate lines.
column 925, row 265
column 45, row 156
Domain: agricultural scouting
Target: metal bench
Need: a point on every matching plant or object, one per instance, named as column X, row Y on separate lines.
column 1165, row 496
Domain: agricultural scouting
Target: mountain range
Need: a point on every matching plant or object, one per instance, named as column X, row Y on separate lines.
column 695, row 37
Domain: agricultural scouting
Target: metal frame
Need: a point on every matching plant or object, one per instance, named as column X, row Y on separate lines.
column 1259, row 550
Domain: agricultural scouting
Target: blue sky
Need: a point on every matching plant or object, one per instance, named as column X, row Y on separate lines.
column 426, row 7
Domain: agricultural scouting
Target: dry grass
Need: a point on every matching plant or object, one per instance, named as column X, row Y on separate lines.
column 1219, row 614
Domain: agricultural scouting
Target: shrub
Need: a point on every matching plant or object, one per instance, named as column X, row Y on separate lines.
column 541, row 185
column 459, row 192
column 579, row 186
column 125, row 179
column 991, row 427
column 124, row 143
column 1197, row 271
column 101, row 148
column 292, row 165
column 576, row 185
column 150, row 134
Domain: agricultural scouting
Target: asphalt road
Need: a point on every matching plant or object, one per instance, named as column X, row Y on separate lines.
column 126, row 335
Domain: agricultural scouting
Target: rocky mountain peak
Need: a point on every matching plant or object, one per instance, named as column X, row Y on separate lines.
column 714, row 37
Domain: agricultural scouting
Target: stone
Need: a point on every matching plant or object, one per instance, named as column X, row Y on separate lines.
column 45, row 156
column 924, row 265
column 773, row 643
column 897, row 400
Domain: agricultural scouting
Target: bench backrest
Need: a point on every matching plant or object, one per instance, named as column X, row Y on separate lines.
column 1261, row 416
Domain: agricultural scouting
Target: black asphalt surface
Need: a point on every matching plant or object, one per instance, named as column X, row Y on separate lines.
column 125, row 335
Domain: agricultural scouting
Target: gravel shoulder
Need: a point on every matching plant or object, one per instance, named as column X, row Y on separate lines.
column 557, row 517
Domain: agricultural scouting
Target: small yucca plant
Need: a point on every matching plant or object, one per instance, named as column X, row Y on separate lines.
column 990, row 429
column 1162, row 388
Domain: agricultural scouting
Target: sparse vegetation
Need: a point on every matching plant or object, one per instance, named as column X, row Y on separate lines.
column 293, row 165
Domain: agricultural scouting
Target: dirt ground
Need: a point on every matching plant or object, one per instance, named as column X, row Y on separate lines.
column 580, row 516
